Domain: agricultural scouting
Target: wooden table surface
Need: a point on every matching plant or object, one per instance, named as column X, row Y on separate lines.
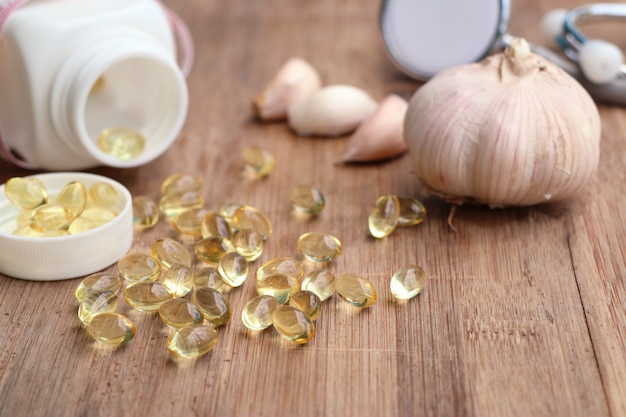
column 523, row 313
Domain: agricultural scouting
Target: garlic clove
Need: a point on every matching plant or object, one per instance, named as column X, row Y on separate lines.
column 331, row 111
column 295, row 81
column 380, row 136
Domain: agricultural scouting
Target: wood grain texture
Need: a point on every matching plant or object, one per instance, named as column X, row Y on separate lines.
column 523, row 313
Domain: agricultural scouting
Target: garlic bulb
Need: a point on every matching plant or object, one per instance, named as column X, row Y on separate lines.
column 511, row 130
column 295, row 81
column 331, row 111
column 380, row 136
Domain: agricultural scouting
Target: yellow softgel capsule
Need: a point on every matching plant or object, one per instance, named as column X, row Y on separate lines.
column 90, row 218
column 178, row 280
column 73, row 196
column 407, row 282
column 169, row 252
column 356, row 290
column 180, row 312
column 122, row 142
column 211, row 249
column 321, row 282
column 50, row 217
column 146, row 295
column 257, row 313
column 111, row 328
column 208, row 277
column 293, row 324
column 306, row 199
column 319, row 247
column 26, row 193
column 412, row 211
column 97, row 284
column 233, row 269
column 308, row 302
column 383, row 218
column 104, row 195
column 138, row 266
column 227, row 211
column 190, row 222
column 280, row 287
column 248, row 217
column 145, row 212
column 287, row 266
column 173, row 204
column 192, row 342
column 257, row 162
column 181, row 181
column 93, row 304
column 214, row 306
column 215, row 225
column 248, row 243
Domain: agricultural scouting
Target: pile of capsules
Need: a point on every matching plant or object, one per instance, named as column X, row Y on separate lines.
column 225, row 242
column 75, row 209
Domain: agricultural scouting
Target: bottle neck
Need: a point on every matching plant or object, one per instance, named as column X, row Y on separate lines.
column 123, row 79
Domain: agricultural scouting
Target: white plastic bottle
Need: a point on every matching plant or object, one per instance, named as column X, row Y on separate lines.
column 53, row 52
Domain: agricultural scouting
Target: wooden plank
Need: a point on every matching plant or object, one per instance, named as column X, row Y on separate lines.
column 523, row 314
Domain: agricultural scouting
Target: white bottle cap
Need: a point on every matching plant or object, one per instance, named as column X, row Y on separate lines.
column 64, row 257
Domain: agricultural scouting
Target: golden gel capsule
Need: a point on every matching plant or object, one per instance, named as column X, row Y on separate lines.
column 192, row 342
column 281, row 266
column 211, row 249
column 178, row 280
column 214, row 225
column 111, row 328
column 321, row 282
column 280, row 287
column 407, row 282
column 412, row 211
column 138, row 266
column 233, row 268
column 74, row 197
column 248, row 243
column 247, row 217
column 306, row 199
column 121, row 142
column 227, row 211
column 355, row 290
column 26, row 193
column 308, row 302
column 104, row 195
column 208, row 277
column 97, row 284
column 257, row 313
column 90, row 218
column 257, row 162
column 145, row 212
column 93, row 304
column 383, row 218
column 179, row 182
column 169, row 252
column 172, row 205
column 146, row 295
column 293, row 324
column 50, row 217
column 180, row 312
column 190, row 222
column 319, row 247
column 214, row 306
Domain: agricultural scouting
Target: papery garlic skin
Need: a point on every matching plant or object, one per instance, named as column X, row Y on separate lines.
column 295, row 81
column 511, row 130
column 331, row 111
column 380, row 136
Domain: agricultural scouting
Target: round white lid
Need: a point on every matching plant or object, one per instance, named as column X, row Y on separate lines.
column 64, row 257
